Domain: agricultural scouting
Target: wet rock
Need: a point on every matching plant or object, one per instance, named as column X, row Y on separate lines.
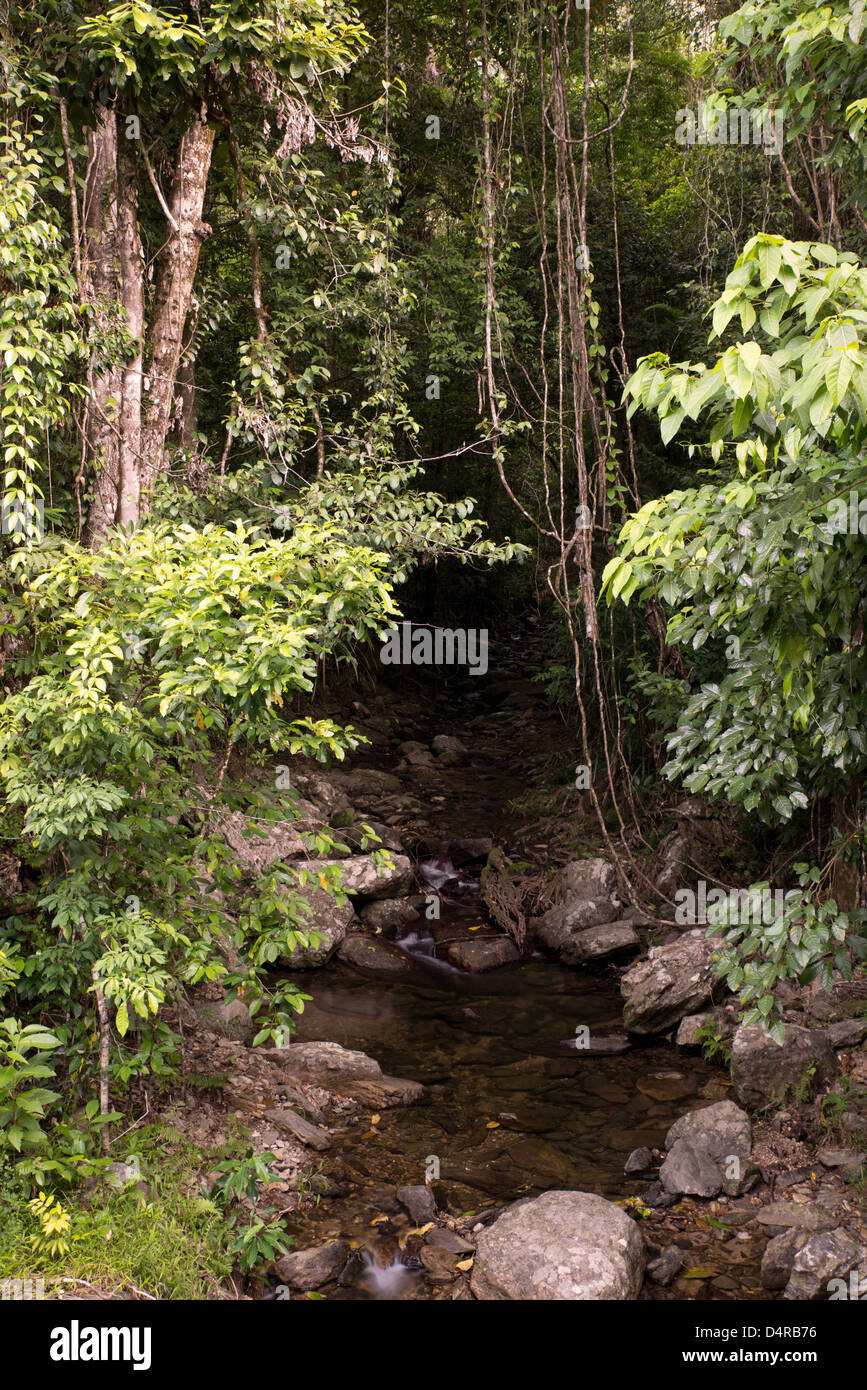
column 346, row 1072
column 388, row 915
column 764, row 1070
column 584, row 878
column 638, row 1161
column 310, row 1269
column 666, row 1265
column 469, row 849
column 415, row 753
column 595, row 943
column 666, row 1085
column 560, row 924
column 366, row 781
column 362, row 877
column 450, row 751
column 328, row 920
column 529, row 1121
column 779, row 1257
column 324, row 791
column 789, row 1215
column 290, row 1123
column 656, row 1196
column 230, row 1018
column 439, row 1264
column 483, row 953
column 357, row 836
column 690, row 1171
column 690, row 1029
column 722, row 1131
column 376, row 956
column 824, row 1257
column 445, row 1239
column 672, row 981
column 562, row 1245
column 582, row 896
column 419, row 1202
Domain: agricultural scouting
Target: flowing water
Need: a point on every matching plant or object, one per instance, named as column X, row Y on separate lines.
column 511, row 1106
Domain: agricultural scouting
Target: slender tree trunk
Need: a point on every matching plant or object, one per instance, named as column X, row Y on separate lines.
column 104, row 1055
column 101, row 277
column 174, row 287
column 132, row 298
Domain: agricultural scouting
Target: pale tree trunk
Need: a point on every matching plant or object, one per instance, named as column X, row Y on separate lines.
column 132, row 299
column 102, row 289
column 176, row 272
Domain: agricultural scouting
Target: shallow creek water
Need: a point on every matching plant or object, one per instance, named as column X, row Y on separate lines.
column 511, row 1107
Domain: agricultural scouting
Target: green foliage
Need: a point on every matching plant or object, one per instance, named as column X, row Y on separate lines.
column 164, row 1237
column 22, row 1106
column 255, row 1240
column 809, row 940
column 759, row 559
column 38, row 334
column 809, row 63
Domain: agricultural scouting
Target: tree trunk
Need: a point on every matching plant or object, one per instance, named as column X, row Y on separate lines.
column 101, row 289
column 174, row 287
column 132, row 299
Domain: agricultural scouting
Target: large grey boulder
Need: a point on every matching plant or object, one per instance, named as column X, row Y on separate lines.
column 328, row 920
column 562, row 1245
column 361, row 877
column 670, row 982
column 690, row 1170
column 764, row 1070
column 483, row 953
column 779, row 1257
column 324, row 791
column 824, row 1257
column 388, row 915
column 419, row 1201
column 344, row 1072
column 722, row 1131
column 596, row 943
column 722, row 1135
column 260, row 844
column 376, row 956
column 582, row 894
column 310, row 1269
column 228, row 1017
column 450, row 751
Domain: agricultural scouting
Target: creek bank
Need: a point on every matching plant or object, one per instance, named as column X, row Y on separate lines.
column 702, row 1232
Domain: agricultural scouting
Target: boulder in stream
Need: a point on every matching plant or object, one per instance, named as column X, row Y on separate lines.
column 582, row 896
column 483, row 953
column 562, row 1245
column 595, row 943
column 310, row 1269
column 670, row 982
column 344, row 1071
column 362, row 877
column 377, row 956
column 388, row 915
column 449, row 750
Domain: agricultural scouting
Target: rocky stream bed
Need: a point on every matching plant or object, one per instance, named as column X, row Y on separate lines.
column 456, row 1118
